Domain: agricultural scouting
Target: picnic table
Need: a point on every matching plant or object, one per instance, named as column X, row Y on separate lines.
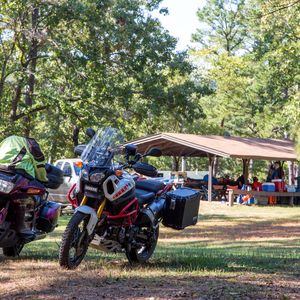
column 233, row 193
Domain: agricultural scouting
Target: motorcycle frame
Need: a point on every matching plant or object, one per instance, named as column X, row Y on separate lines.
column 72, row 201
column 166, row 189
column 130, row 216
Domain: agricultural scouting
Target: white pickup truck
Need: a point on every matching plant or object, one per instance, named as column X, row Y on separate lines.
column 71, row 168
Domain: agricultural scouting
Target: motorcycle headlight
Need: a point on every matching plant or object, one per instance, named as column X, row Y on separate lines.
column 84, row 174
column 97, row 177
column 6, row 186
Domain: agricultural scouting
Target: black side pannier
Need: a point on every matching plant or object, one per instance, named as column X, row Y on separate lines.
column 55, row 176
column 48, row 216
column 181, row 208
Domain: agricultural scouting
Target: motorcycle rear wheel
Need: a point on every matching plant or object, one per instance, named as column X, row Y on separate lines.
column 75, row 241
column 142, row 254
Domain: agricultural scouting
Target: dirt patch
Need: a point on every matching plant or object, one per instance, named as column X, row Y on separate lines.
column 47, row 281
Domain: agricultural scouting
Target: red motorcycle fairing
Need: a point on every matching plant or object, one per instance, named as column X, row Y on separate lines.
column 23, row 186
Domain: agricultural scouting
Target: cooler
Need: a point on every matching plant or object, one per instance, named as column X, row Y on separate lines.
column 268, row 187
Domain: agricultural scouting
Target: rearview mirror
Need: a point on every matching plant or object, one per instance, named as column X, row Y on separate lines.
column 90, row 132
column 130, row 149
column 154, row 152
column 145, row 169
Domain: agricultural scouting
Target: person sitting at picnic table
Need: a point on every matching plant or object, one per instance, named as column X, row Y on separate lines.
column 226, row 181
column 256, row 185
column 214, row 180
column 240, row 181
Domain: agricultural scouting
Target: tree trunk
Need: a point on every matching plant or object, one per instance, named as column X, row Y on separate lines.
column 75, row 135
column 3, row 73
column 32, row 57
column 14, row 103
column 2, row 80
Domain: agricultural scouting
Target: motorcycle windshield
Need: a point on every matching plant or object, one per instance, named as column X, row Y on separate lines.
column 102, row 147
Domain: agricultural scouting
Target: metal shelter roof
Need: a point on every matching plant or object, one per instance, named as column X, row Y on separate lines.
column 180, row 144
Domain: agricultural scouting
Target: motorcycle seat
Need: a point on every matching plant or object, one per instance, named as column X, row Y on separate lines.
column 144, row 197
column 149, row 185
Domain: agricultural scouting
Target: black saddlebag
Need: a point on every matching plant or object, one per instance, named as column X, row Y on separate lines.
column 48, row 216
column 181, row 208
column 55, row 176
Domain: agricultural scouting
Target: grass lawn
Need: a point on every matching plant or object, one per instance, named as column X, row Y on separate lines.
column 232, row 253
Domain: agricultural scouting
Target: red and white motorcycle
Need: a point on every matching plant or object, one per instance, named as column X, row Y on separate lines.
column 114, row 212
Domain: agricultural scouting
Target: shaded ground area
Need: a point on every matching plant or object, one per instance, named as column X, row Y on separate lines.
column 232, row 253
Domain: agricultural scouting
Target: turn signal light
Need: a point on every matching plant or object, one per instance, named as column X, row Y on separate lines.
column 119, row 173
column 33, row 191
column 78, row 164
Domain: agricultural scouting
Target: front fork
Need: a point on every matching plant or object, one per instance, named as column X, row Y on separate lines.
column 94, row 217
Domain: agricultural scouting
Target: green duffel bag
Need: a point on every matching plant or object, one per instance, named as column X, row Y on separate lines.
column 23, row 154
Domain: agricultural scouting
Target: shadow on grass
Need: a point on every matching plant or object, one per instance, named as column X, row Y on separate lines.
column 222, row 248
column 193, row 257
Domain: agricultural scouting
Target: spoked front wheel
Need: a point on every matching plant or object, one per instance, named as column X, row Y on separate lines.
column 75, row 241
column 146, row 240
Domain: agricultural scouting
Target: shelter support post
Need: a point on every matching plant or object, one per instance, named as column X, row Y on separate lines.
column 251, row 168
column 230, row 197
column 215, row 166
column 210, row 175
column 183, row 164
column 291, row 167
column 246, row 170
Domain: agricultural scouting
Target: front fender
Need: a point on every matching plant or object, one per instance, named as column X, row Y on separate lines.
column 93, row 217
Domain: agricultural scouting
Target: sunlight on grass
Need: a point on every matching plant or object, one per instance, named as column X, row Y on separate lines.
column 235, row 252
column 209, row 246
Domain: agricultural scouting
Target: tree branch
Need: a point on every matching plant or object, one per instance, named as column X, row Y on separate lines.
column 279, row 8
column 31, row 111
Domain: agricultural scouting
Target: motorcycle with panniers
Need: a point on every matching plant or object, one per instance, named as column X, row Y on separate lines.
column 26, row 215
column 119, row 212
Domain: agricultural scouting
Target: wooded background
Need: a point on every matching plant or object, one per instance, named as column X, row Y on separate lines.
column 69, row 64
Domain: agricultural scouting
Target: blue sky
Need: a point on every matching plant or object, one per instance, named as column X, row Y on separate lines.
column 182, row 20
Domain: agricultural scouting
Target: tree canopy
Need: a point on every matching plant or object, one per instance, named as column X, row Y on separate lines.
column 71, row 64
column 67, row 65
column 251, row 49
